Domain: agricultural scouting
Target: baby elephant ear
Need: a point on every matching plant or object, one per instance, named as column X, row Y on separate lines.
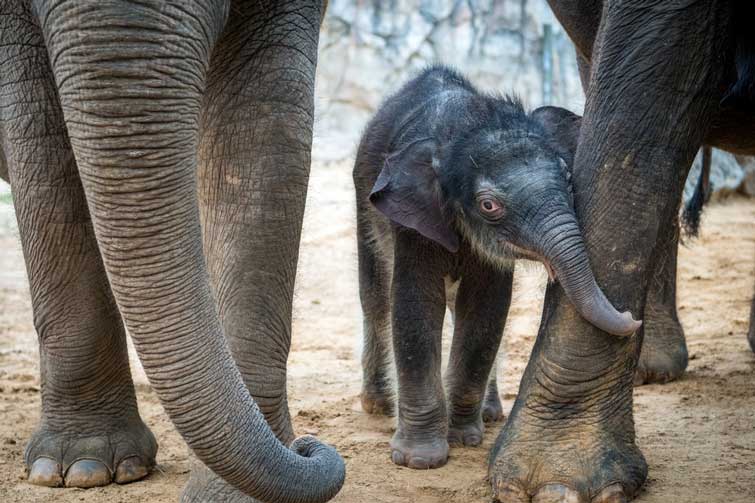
column 407, row 191
column 562, row 130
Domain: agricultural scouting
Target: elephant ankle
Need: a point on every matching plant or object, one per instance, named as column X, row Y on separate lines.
column 664, row 356
column 378, row 400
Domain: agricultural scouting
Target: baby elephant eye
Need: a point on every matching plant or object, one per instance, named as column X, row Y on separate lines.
column 490, row 208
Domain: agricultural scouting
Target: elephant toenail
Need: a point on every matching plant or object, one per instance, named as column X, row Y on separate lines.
column 491, row 416
column 557, row 493
column 611, row 494
column 398, row 458
column 87, row 473
column 510, row 493
column 46, row 472
column 419, row 463
column 129, row 470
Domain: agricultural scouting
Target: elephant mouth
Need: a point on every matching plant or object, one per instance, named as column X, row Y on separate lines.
column 531, row 255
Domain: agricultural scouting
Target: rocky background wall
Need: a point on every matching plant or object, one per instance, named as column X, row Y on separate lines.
column 368, row 48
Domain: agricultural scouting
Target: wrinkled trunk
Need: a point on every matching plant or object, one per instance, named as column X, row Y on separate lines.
column 563, row 248
column 130, row 93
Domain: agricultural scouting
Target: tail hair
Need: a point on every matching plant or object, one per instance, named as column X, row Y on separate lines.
column 694, row 208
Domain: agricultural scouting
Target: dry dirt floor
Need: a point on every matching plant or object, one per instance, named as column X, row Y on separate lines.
column 698, row 433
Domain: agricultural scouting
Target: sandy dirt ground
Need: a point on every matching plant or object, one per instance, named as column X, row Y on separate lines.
column 698, row 434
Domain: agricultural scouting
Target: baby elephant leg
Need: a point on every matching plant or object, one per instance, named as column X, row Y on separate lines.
column 418, row 308
column 375, row 295
column 482, row 304
column 492, row 409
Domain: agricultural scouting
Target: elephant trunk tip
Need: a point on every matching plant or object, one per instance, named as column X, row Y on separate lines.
column 624, row 326
column 601, row 313
column 567, row 263
column 309, row 446
column 328, row 464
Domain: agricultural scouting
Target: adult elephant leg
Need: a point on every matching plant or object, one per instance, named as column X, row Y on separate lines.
column 131, row 79
column 90, row 432
column 254, row 161
column 664, row 350
column 570, row 435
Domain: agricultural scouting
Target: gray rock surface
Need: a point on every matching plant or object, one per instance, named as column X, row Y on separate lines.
column 747, row 163
column 369, row 48
column 729, row 174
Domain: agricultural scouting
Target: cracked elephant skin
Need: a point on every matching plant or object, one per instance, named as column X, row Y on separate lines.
column 653, row 98
column 158, row 154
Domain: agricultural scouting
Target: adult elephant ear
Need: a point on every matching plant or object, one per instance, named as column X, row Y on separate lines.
column 408, row 192
column 561, row 130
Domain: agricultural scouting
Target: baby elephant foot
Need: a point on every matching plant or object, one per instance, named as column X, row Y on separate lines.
column 420, row 453
column 492, row 409
column 378, row 403
column 580, row 468
column 664, row 353
column 466, row 434
column 57, row 459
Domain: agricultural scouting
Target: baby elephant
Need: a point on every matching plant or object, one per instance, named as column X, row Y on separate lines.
column 452, row 185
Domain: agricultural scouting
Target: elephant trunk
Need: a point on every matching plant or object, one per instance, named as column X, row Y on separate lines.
column 131, row 81
column 161, row 283
column 564, row 250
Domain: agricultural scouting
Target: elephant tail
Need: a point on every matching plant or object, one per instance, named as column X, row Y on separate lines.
column 3, row 167
column 694, row 208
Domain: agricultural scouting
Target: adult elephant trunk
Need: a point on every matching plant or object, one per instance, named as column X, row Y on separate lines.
column 564, row 250
column 131, row 79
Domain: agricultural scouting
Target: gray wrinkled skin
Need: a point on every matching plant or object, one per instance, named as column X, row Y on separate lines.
column 655, row 81
column 124, row 126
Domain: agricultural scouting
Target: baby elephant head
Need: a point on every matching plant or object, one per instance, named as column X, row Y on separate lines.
column 507, row 191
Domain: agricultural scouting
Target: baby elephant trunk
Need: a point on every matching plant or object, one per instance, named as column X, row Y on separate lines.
column 564, row 250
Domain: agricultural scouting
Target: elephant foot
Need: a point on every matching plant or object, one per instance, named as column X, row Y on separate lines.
column 378, row 403
column 580, row 467
column 467, row 434
column 205, row 486
column 492, row 409
column 664, row 352
column 419, row 453
column 122, row 455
